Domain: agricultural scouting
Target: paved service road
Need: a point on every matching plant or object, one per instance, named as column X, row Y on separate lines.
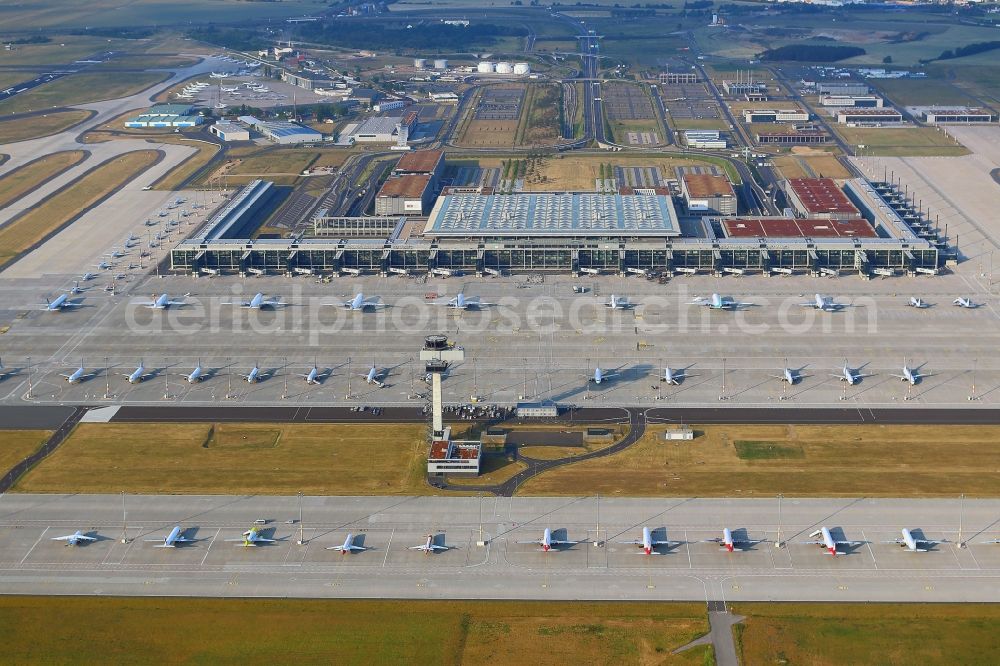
column 31, row 563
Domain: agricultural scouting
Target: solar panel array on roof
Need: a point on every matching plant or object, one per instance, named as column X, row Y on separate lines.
column 548, row 214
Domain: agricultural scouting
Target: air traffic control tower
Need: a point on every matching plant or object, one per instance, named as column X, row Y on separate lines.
column 446, row 455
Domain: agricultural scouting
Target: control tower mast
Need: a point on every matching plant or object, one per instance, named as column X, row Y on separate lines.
column 438, row 354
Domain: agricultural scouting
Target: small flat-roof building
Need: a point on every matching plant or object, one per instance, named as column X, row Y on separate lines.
column 842, row 88
column 422, row 163
column 229, row 131
column 819, row 198
column 405, row 195
column 537, row 410
column 775, row 115
column 705, row 139
column 884, row 116
column 741, row 88
column 678, row 78
column 454, row 457
column 795, row 138
column 708, row 194
column 957, row 116
column 855, row 101
column 166, row 115
column 287, row 133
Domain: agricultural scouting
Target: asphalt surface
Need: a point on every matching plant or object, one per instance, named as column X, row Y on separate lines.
column 509, row 566
column 33, row 417
column 46, row 449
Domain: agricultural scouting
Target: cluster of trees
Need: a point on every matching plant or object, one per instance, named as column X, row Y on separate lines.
column 34, row 39
column 432, row 37
column 120, row 33
column 239, row 39
column 971, row 49
column 811, row 53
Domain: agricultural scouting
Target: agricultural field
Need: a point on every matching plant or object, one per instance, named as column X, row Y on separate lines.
column 271, row 459
column 902, row 142
column 51, row 14
column 868, row 634
column 16, row 445
column 81, row 89
column 801, row 461
column 33, row 127
column 52, row 629
column 539, row 125
column 25, row 231
column 18, row 182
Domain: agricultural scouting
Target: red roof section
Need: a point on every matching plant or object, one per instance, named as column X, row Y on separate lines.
column 420, row 161
column 786, row 227
column 409, row 187
column 821, row 195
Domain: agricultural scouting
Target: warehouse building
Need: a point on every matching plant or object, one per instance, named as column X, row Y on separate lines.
column 381, row 129
column 741, row 88
column 854, row 101
column 166, row 115
column 957, row 116
column 229, row 131
column 706, row 193
column 796, row 138
column 286, row 133
column 775, row 115
column 848, row 88
column 311, row 79
column 708, row 139
column 422, row 163
column 883, row 116
column 819, row 198
column 405, row 195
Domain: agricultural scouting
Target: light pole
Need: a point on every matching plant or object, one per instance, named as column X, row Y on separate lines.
column 124, row 521
column 302, row 529
column 229, row 376
column 597, row 539
column 961, row 519
column 107, row 380
column 29, row 378
column 284, row 376
column 777, row 541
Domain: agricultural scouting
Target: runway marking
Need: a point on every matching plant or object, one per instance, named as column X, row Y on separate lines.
column 688, row 549
column 387, row 546
column 868, row 544
column 33, row 546
column 210, row 544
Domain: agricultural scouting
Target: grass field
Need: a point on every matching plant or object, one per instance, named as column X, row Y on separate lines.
column 283, row 166
column 176, row 177
column 540, row 121
column 902, row 142
column 237, row 459
column 862, row 634
column 21, row 234
column 33, row 127
column 836, row 461
column 918, row 92
column 80, row 89
column 22, row 180
column 16, row 445
column 811, row 166
column 53, row 629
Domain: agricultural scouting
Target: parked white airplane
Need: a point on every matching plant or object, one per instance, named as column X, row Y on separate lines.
column 789, row 375
column 911, row 375
column 87, row 276
column 251, row 537
column 348, row 546
column 195, row 375
column 649, row 544
column 730, row 544
column 828, row 542
column 137, row 375
column 913, row 544
column 358, row 303
column 77, row 375
column 77, row 289
column 964, row 302
column 171, row 540
column 918, row 303
column 75, row 539
column 430, row 547
column 258, row 302
column 375, row 376
column 313, row 376
column 849, row 375
column 162, row 302
column 104, row 266
column 717, row 302
column 59, row 303
column 824, row 303
column 674, row 377
column 463, row 302
column 600, row 376
column 547, row 542
column 619, row 303
column 253, row 376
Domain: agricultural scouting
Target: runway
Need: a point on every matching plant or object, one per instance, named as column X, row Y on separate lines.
column 388, row 527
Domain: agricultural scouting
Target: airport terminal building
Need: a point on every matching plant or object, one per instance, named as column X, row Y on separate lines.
column 633, row 231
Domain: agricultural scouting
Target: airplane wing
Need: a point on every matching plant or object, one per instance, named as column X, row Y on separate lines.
column 562, row 542
column 635, row 542
column 535, row 541
column 263, row 540
column 74, row 536
column 850, row 543
column 748, row 542
column 342, row 548
column 667, row 543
